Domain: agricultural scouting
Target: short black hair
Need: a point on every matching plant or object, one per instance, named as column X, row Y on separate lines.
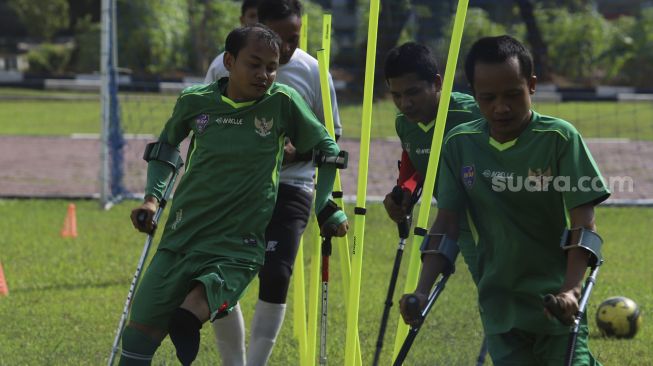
column 411, row 57
column 237, row 38
column 494, row 50
column 248, row 4
column 278, row 9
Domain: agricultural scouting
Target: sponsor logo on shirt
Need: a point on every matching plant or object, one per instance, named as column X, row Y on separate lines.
column 229, row 121
column 178, row 217
column 424, row 151
column 263, row 126
column 468, row 173
column 487, row 173
column 249, row 241
column 201, row 123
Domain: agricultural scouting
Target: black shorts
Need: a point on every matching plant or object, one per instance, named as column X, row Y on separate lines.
column 282, row 236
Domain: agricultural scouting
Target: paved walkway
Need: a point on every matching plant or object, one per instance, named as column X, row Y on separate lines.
column 69, row 167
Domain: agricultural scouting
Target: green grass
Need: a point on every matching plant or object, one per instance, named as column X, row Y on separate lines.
column 66, row 295
column 146, row 113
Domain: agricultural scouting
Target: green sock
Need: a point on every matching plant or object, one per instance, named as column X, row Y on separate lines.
column 137, row 348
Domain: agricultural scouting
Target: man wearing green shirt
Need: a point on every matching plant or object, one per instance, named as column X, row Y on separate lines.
column 415, row 84
column 520, row 178
column 213, row 242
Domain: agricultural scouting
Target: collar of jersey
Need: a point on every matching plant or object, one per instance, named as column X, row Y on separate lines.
column 236, row 104
column 426, row 127
column 502, row 146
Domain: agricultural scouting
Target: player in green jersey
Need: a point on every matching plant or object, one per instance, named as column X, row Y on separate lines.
column 415, row 84
column 213, row 242
column 519, row 176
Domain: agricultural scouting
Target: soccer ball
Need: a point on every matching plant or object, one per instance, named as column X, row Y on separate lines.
column 618, row 317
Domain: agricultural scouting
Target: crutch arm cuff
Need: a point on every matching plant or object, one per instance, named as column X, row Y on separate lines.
column 585, row 239
column 447, row 247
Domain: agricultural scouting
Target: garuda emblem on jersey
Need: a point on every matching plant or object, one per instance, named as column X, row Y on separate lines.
column 201, row 122
column 263, row 126
column 468, row 174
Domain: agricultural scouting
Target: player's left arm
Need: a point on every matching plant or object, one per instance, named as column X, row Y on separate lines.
column 310, row 135
column 582, row 243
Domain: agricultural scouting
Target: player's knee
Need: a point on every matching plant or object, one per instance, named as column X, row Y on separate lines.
column 137, row 347
column 184, row 333
column 274, row 282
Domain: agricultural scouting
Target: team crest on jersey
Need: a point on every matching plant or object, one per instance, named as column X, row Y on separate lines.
column 201, row 123
column 263, row 126
column 468, row 174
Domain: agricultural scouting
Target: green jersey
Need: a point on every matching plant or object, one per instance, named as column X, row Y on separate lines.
column 517, row 195
column 416, row 138
column 226, row 196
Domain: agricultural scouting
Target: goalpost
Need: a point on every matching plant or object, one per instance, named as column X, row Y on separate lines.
column 111, row 136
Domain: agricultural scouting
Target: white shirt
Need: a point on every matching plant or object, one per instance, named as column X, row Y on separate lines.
column 301, row 73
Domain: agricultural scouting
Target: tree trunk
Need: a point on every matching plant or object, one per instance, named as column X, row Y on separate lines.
column 539, row 47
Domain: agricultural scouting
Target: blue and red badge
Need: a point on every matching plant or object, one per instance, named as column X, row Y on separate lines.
column 201, row 122
column 468, row 173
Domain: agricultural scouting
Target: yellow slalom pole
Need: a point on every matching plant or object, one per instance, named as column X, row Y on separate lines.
column 414, row 263
column 299, row 311
column 361, row 193
column 303, row 33
column 326, row 39
column 313, row 295
column 342, row 244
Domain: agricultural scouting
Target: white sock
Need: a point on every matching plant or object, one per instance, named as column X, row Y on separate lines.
column 266, row 324
column 230, row 337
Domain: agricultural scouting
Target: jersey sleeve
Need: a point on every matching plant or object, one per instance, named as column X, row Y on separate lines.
column 174, row 132
column 216, row 70
column 451, row 193
column 585, row 181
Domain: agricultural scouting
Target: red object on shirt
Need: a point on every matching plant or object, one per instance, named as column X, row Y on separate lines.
column 409, row 177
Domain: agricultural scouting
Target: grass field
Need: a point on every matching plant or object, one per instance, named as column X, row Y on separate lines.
column 146, row 113
column 66, row 295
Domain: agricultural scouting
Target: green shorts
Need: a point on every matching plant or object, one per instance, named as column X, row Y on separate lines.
column 518, row 347
column 170, row 276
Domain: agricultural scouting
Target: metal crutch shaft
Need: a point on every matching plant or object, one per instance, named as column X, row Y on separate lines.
column 404, row 228
column 412, row 304
column 139, row 267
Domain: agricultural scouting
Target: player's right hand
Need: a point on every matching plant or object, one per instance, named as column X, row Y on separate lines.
column 143, row 216
column 408, row 313
column 398, row 210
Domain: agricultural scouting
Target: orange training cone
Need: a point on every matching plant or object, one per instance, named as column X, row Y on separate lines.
column 69, row 229
column 4, row 289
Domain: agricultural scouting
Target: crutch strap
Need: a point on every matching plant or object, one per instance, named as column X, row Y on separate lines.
column 589, row 240
column 163, row 152
column 446, row 247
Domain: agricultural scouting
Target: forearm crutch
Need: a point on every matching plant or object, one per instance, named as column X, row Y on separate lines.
column 413, row 308
column 176, row 164
column 551, row 303
column 404, row 228
column 326, row 253
column 591, row 242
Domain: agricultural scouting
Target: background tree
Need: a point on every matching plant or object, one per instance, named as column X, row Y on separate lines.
column 538, row 46
column 43, row 18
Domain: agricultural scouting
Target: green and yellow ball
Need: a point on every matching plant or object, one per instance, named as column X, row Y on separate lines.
column 618, row 317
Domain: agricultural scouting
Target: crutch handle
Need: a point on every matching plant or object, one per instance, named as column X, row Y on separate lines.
column 412, row 307
column 553, row 306
column 404, row 225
